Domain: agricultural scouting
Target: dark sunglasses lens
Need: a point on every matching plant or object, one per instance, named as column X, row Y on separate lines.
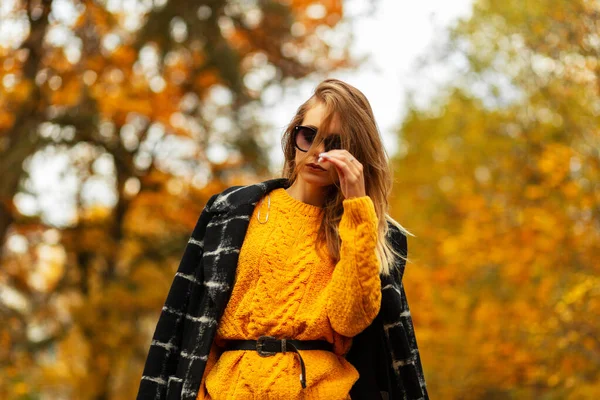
column 304, row 138
column 333, row 142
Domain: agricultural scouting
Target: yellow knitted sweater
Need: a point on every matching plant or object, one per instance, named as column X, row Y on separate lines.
column 283, row 288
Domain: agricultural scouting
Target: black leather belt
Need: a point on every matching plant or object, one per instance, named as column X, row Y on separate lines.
column 268, row 345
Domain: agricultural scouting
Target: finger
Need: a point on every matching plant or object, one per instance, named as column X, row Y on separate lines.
column 344, row 155
column 348, row 165
column 346, row 171
column 338, row 164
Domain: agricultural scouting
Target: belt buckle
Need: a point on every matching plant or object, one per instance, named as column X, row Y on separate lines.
column 260, row 343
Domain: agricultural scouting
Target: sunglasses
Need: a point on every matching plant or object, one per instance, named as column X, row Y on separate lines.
column 304, row 137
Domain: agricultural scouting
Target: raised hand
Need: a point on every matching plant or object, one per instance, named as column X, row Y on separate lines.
column 350, row 171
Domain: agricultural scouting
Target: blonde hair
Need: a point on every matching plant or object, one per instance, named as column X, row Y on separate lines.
column 360, row 136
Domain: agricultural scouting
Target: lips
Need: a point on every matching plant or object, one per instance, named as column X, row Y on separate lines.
column 315, row 166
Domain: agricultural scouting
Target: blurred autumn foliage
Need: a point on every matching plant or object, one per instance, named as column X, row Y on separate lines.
column 129, row 99
column 498, row 177
column 500, row 180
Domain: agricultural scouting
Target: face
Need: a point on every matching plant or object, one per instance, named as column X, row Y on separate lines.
column 329, row 175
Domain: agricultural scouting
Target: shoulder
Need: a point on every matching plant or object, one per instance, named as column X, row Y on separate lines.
column 397, row 237
column 220, row 200
column 235, row 196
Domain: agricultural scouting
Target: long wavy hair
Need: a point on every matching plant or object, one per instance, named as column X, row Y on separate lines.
column 360, row 136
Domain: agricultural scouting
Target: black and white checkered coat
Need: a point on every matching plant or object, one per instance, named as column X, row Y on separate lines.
column 385, row 353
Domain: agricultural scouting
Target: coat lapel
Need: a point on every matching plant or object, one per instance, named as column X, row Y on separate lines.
column 225, row 235
column 229, row 218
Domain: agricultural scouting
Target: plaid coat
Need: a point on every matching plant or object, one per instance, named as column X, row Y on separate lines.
column 385, row 353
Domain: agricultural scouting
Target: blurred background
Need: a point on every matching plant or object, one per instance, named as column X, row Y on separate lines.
column 120, row 118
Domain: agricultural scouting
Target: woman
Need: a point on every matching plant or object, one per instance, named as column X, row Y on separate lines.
column 291, row 288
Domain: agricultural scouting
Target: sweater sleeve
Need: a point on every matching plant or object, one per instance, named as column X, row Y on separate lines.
column 354, row 292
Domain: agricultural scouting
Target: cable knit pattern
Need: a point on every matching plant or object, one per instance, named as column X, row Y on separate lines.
column 283, row 288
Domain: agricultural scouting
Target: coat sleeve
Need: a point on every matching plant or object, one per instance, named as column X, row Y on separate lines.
column 213, row 357
column 399, row 330
column 164, row 352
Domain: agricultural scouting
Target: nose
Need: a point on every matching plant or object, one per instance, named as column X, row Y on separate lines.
column 316, row 149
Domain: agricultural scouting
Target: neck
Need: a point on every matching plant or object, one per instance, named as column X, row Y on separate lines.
column 307, row 193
